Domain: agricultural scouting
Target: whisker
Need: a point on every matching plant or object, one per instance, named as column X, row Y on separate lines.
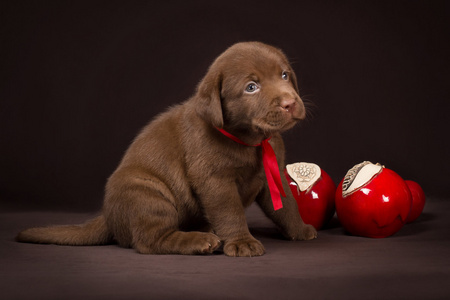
column 311, row 108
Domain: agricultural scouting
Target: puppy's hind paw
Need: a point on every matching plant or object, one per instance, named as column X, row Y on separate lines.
column 208, row 244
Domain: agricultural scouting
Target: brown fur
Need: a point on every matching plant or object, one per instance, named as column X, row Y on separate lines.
column 182, row 186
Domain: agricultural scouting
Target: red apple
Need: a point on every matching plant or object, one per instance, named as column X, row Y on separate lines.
column 314, row 192
column 372, row 201
column 418, row 200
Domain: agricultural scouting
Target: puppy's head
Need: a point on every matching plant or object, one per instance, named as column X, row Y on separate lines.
column 250, row 87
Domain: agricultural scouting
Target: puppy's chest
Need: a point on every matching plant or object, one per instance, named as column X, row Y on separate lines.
column 249, row 181
column 248, row 173
column 249, row 167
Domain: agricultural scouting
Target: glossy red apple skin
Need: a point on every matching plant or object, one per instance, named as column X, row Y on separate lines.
column 418, row 200
column 316, row 204
column 378, row 209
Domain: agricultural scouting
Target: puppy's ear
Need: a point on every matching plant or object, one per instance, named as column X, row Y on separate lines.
column 208, row 99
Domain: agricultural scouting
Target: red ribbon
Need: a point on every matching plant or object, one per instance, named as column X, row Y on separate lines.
column 270, row 167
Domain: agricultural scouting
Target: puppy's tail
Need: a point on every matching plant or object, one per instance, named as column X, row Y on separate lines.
column 93, row 232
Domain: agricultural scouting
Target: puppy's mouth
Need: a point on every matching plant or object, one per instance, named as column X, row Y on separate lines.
column 282, row 117
column 276, row 121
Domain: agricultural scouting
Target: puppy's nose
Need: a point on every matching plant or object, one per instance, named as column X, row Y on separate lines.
column 288, row 104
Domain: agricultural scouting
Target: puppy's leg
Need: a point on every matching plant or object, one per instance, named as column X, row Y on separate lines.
column 287, row 218
column 153, row 225
column 224, row 210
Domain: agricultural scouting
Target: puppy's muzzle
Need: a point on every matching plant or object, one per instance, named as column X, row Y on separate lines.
column 293, row 107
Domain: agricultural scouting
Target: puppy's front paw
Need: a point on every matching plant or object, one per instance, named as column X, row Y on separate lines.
column 245, row 247
column 305, row 233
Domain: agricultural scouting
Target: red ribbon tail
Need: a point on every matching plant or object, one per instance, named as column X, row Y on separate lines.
column 273, row 175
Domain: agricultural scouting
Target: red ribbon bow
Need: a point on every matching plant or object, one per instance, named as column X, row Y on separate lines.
column 270, row 167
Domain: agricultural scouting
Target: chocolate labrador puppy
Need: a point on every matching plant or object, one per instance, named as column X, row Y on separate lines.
column 184, row 182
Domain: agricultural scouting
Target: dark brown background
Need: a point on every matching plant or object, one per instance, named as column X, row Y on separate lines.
column 80, row 78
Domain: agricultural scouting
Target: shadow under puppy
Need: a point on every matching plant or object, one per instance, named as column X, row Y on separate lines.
column 183, row 184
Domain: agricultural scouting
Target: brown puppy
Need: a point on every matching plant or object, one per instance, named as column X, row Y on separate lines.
column 182, row 186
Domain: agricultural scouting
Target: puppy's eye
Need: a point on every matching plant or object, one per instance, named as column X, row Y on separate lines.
column 251, row 87
column 285, row 75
